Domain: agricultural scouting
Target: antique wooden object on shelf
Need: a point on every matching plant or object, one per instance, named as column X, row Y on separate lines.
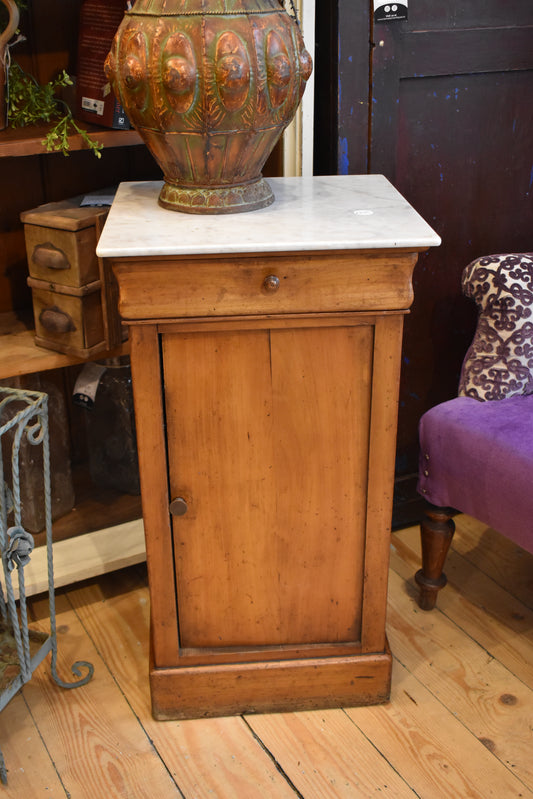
column 266, row 357
column 73, row 300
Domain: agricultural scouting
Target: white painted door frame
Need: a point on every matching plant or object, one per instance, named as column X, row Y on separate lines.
column 298, row 138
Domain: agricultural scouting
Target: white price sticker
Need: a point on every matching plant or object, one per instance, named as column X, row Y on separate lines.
column 93, row 105
column 385, row 11
column 86, row 385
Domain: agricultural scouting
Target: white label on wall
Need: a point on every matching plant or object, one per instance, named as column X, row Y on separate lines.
column 92, row 105
column 385, row 11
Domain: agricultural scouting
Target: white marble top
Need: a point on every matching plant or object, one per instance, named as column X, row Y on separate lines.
column 341, row 212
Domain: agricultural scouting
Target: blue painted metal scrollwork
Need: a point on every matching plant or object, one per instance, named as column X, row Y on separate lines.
column 24, row 414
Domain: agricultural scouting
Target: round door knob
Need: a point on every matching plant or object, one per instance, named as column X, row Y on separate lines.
column 271, row 283
column 178, row 507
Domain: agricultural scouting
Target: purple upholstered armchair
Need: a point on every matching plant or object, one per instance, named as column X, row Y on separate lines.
column 476, row 451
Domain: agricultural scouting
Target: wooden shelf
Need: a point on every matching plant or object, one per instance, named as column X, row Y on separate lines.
column 86, row 556
column 28, row 141
column 96, row 508
column 19, row 355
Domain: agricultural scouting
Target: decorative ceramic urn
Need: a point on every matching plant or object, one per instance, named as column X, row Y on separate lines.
column 210, row 85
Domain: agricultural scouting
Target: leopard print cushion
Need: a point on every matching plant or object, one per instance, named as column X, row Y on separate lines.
column 499, row 362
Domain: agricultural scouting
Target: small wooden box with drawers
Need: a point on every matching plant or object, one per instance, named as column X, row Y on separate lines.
column 74, row 300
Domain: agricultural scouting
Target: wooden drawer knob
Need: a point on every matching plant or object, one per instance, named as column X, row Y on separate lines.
column 48, row 256
column 56, row 321
column 271, row 283
column 178, row 507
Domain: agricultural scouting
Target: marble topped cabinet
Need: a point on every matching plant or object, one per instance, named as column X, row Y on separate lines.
column 266, row 358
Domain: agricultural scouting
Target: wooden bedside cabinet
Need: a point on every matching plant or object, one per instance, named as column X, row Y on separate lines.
column 266, row 357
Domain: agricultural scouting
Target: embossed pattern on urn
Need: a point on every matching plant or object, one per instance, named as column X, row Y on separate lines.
column 210, row 85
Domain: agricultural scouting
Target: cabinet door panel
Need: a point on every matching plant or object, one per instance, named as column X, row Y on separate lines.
column 219, row 410
column 321, row 382
column 268, row 445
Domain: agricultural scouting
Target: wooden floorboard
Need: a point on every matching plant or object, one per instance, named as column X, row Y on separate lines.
column 478, row 605
column 459, row 723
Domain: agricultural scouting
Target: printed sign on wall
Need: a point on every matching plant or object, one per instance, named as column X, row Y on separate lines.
column 385, row 11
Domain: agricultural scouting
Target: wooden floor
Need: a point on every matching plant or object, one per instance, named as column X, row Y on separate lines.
column 459, row 723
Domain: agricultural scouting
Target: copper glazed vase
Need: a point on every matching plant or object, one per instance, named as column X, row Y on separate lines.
column 210, row 85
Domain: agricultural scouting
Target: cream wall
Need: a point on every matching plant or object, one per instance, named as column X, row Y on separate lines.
column 298, row 138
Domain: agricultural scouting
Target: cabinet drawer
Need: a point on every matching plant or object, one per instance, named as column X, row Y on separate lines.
column 61, row 241
column 70, row 323
column 61, row 256
column 257, row 285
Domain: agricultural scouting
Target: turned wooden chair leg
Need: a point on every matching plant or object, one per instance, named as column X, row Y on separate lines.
column 436, row 531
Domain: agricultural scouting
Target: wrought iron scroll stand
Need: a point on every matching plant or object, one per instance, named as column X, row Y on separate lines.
column 25, row 413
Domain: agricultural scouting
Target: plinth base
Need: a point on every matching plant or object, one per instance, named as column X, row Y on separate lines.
column 217, row 200
column 270, row 687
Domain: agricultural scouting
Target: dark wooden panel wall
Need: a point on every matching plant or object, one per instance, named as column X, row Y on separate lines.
column 450, row 123
column 342, row 60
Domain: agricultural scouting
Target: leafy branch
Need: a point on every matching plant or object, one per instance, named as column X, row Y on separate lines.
column 30, row 103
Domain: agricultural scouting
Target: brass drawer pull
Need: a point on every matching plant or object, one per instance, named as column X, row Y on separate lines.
column 271, row 283
column 178, row 507
column 55, row 320
column 47, row 256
